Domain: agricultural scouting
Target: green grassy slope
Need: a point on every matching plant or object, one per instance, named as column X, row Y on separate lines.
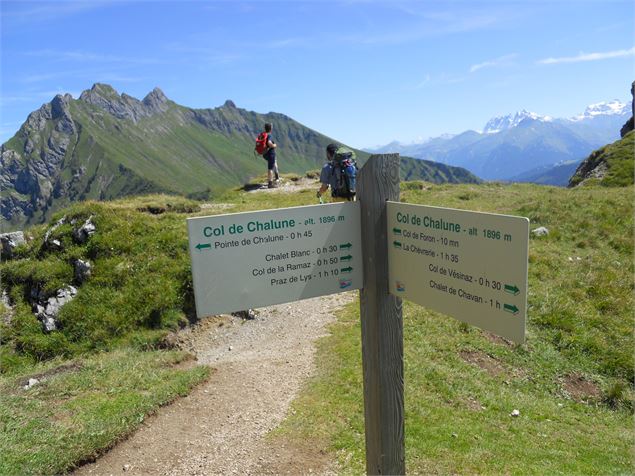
column 619, row 160
column 572, row 381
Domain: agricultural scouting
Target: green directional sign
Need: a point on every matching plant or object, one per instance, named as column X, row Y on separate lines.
column 468, row 265
column 255, row 259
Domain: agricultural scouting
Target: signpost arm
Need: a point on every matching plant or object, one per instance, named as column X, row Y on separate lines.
column 382, row 323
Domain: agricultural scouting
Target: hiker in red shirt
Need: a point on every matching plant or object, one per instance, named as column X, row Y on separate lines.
column 270, row 156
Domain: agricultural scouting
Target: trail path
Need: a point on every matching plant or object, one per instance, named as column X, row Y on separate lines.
column 221, row 427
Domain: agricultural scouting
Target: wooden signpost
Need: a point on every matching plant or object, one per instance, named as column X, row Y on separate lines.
column 470, row 265
column 382, row 323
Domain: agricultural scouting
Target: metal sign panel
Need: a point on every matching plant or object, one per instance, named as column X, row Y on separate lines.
column 468, row 265
column 255, row 259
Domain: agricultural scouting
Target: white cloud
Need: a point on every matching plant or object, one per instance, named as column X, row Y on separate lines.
column 589, row 57
column 442, row 78
column 495, row 62
column 89, row 57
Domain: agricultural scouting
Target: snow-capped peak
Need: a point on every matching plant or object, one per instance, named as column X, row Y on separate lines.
column 501, row 123
column 614, row 107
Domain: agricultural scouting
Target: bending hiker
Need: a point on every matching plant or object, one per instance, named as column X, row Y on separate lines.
column 339, row 173
column 266, row 146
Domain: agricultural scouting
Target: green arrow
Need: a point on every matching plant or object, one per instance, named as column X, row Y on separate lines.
column 346, row 258
column 397, row 244
column 513, row 309
column 512, row 289
column 346, row 270
column 346, row 245
column 396, row 231
column 200, row 246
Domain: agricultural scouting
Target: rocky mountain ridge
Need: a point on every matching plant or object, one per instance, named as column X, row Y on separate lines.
column 105, row 145
column 518, row 144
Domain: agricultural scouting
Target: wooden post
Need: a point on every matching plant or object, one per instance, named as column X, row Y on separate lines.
column 382, row 323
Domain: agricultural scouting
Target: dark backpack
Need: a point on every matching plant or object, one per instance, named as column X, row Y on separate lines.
column 261, row 143
column 345, row 171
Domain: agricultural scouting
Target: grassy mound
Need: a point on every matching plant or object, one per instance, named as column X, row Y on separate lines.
column 619, row 160
column 137, row 293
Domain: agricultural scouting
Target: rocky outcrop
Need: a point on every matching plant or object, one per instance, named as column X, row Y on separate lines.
column 124, row 106
column 629, row 126
column 31, row 171
column 84, row 232
column 9, row 242
column 82, row 270
column 47, row 309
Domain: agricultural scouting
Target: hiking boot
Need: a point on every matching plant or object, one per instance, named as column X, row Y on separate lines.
column 277, row 176
column 270, row 184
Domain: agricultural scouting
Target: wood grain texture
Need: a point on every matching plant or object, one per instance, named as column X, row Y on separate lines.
column 382, row 323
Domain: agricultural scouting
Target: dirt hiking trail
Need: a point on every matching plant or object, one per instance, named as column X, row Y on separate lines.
column 221, row 427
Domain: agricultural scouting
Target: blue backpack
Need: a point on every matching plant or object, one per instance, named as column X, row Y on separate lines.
column 345, row 171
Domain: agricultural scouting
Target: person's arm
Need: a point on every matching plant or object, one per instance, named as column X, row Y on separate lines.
column 324, row 180
column 271, row 145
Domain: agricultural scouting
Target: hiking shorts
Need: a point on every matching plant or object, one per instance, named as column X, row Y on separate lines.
column 271, row 161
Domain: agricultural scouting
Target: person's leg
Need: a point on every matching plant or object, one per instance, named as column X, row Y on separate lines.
column 271, row 162
column 275, row 170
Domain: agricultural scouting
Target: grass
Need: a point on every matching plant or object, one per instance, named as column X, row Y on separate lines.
column 84, row 406
column 571, row 381
column 619, row 158
column 108, row 367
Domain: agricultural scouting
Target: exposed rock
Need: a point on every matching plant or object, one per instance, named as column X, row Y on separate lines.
column 83, row 270
column 515, row 413
column 248, row 314
column 57, row 224
column 230, row 104
column 32, row 174
column 31, row 383
column 82, row 234
column 156, row 101
column 9, row 242
column 7, row 314
column 48, row 311
column 55, row 245
column 540, row 231
column 628, row 127
column 124, row 106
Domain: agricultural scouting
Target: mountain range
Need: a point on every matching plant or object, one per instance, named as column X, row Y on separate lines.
column 523, row 143
column 105, row 145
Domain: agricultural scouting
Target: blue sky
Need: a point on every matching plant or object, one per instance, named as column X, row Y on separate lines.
column 362, row 72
